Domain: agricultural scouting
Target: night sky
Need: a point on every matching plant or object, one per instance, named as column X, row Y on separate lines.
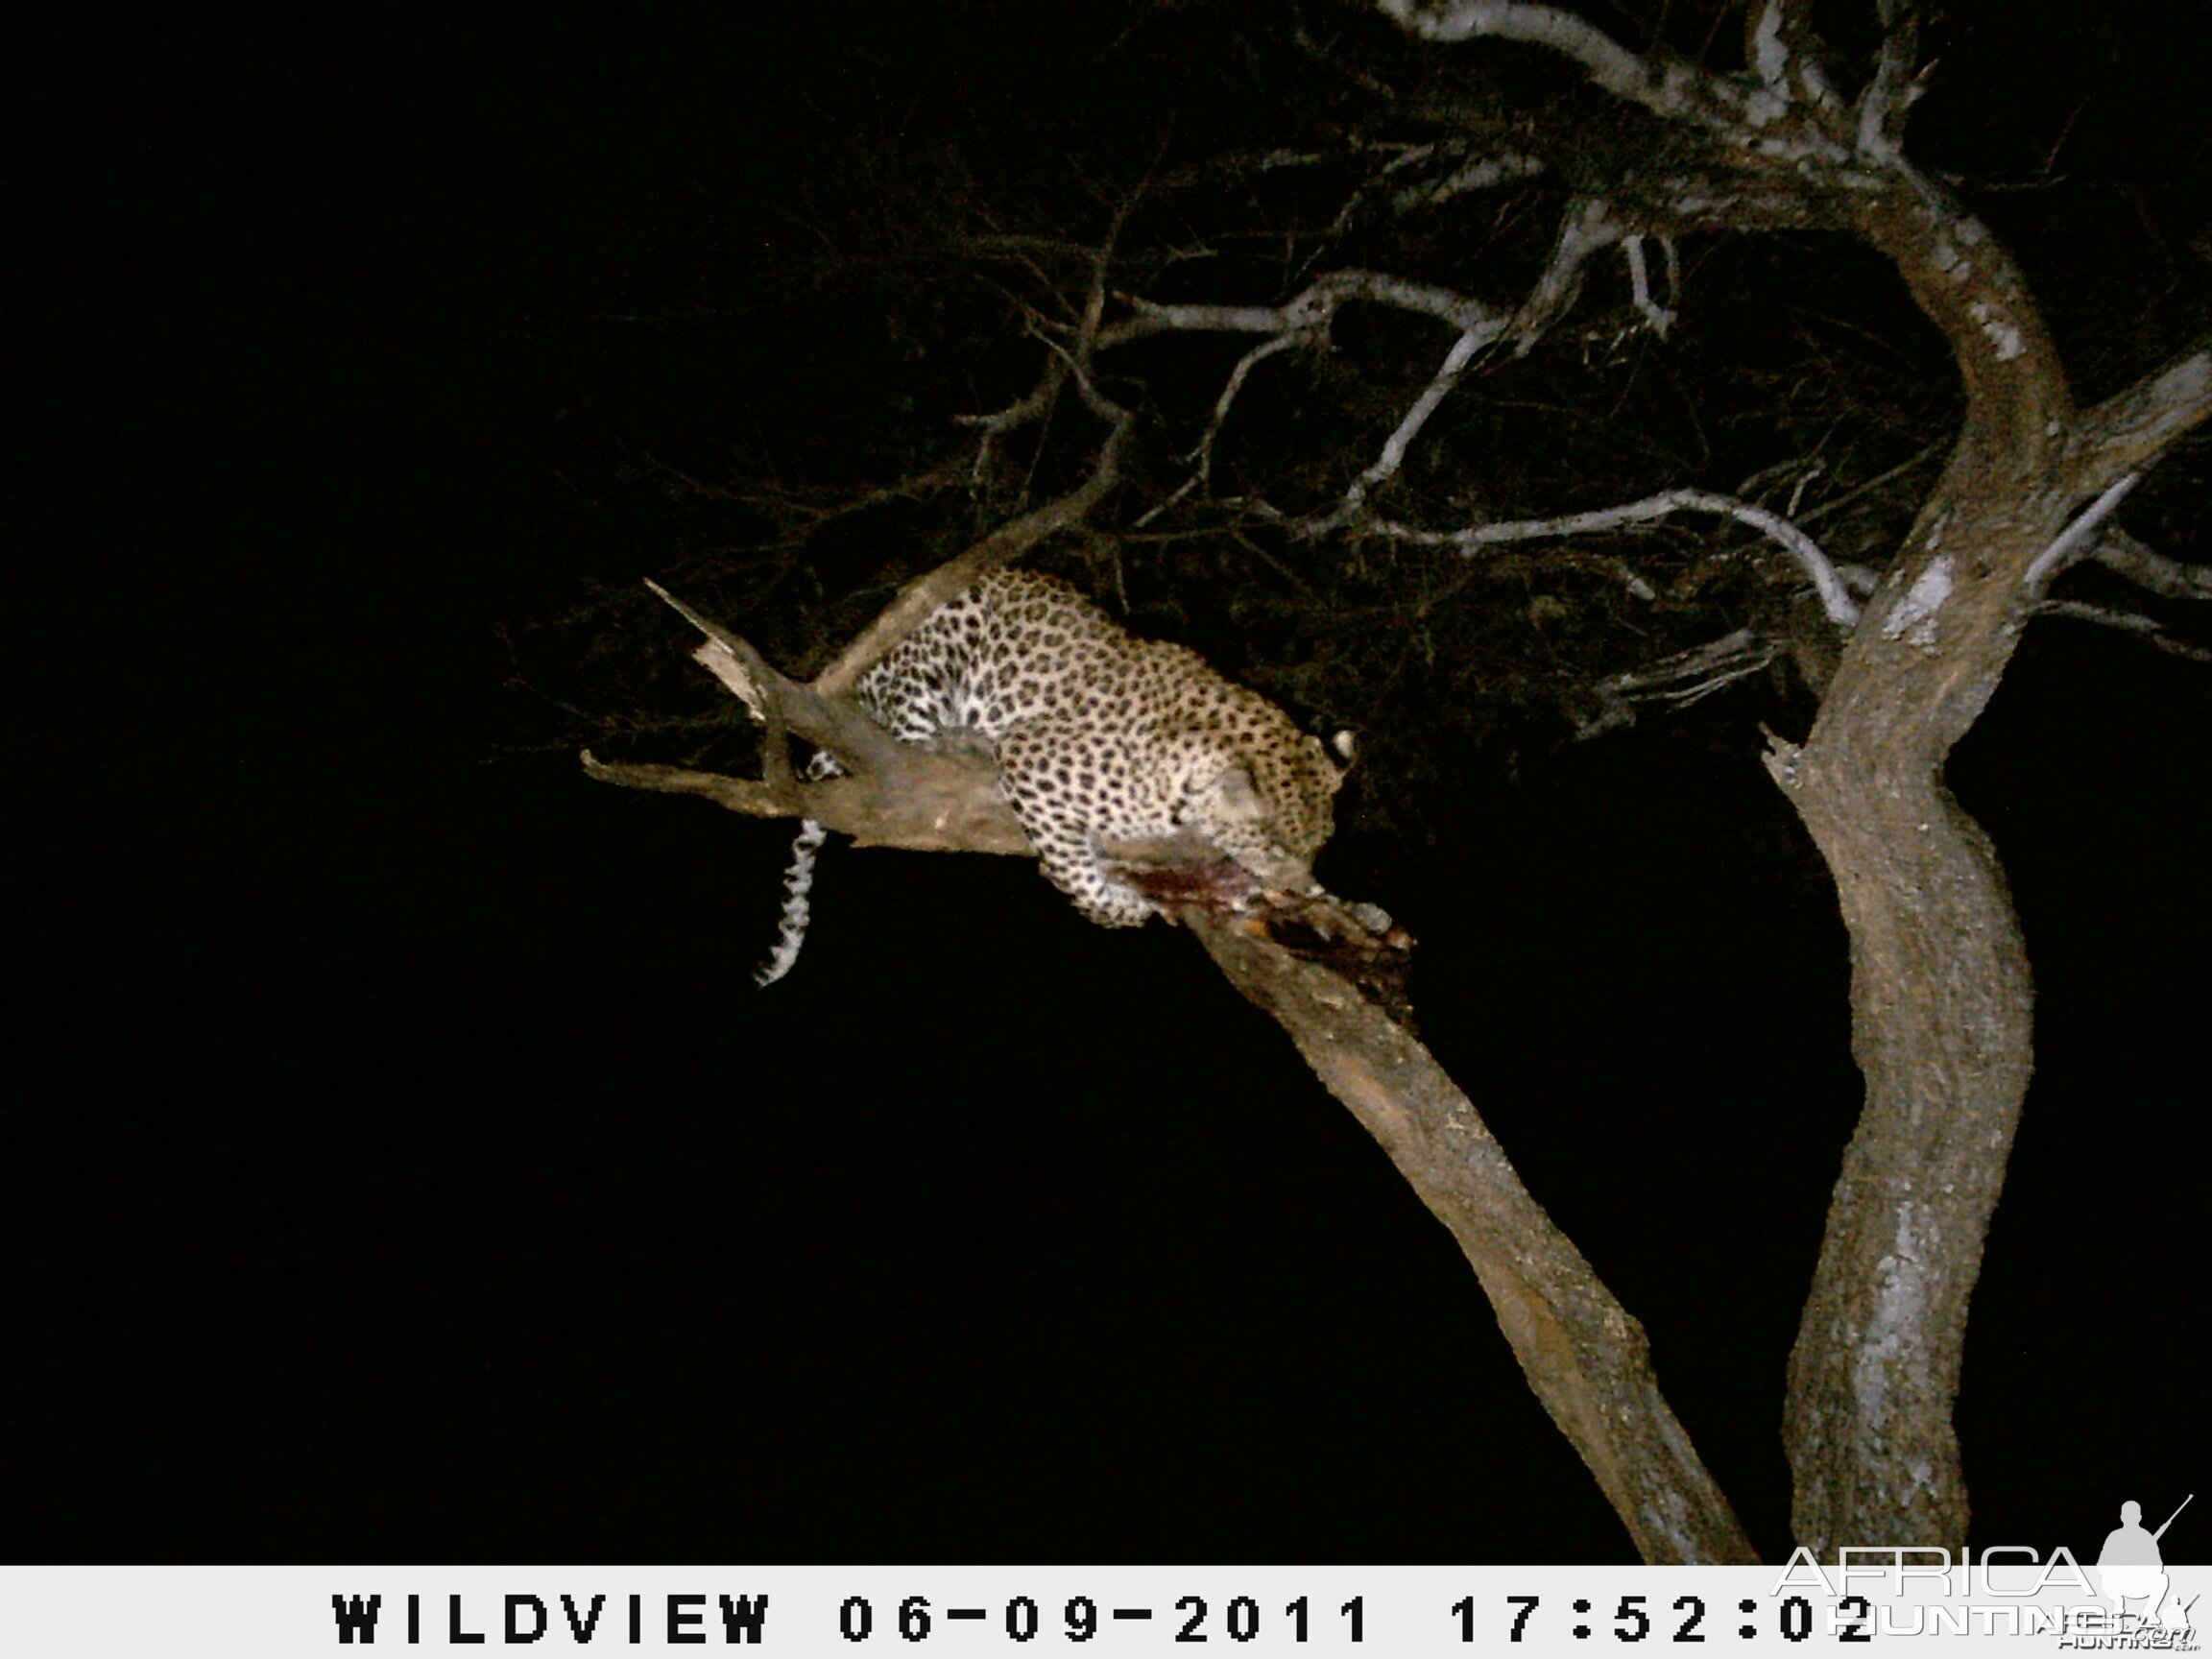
column 405, row 1165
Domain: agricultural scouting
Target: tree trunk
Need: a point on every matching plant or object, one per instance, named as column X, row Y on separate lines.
column 1942, row 1014
column 1941, row 1000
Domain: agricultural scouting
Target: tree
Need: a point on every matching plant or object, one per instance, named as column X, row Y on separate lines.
column 1903, row 643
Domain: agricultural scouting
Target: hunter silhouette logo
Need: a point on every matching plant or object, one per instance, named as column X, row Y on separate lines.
column 2132, row 1570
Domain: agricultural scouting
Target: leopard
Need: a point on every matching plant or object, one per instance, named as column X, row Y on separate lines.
column 1100, row 737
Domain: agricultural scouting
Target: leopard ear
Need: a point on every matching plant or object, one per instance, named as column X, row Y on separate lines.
column 1345, row 747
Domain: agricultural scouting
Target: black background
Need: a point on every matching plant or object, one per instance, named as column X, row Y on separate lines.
column 404, row 1166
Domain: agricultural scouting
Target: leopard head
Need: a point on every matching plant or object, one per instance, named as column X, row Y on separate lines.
column 1272, row 805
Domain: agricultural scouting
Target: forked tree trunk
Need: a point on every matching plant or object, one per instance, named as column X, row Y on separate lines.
column 1940, row 990
column 1941, row 997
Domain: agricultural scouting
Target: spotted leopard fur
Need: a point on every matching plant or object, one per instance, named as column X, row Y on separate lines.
column 1100, row 737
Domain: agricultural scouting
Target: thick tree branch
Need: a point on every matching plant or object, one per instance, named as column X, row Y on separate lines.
column 925, row 802
column 894, row 794
column 780, row 705
column 2131, row 429
column 1587, row 1360
column 1584, row 1355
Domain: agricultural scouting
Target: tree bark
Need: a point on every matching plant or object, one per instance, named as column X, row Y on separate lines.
column 1587, row 1360
column 1942, row 1000
column 1942, row 1029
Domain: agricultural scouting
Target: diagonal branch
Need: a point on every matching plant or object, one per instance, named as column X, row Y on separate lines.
column 919, row 598
column 1588, row 226
column 2132, row 428
column 2127, row 622
column 1586, row 1359
column 781, row 704
column 1202, row 475
column 1896, row 85
column 1353, row 507
column 2076, row 539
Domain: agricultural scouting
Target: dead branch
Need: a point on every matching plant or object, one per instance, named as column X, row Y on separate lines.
column 2169, row 578
column 926, row 802
column 1310, row 311
column 2127, row 622
column 833, row 723
column 2078, row 537
column 1485, row 172
column 893, row 793
column 1688, row 676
